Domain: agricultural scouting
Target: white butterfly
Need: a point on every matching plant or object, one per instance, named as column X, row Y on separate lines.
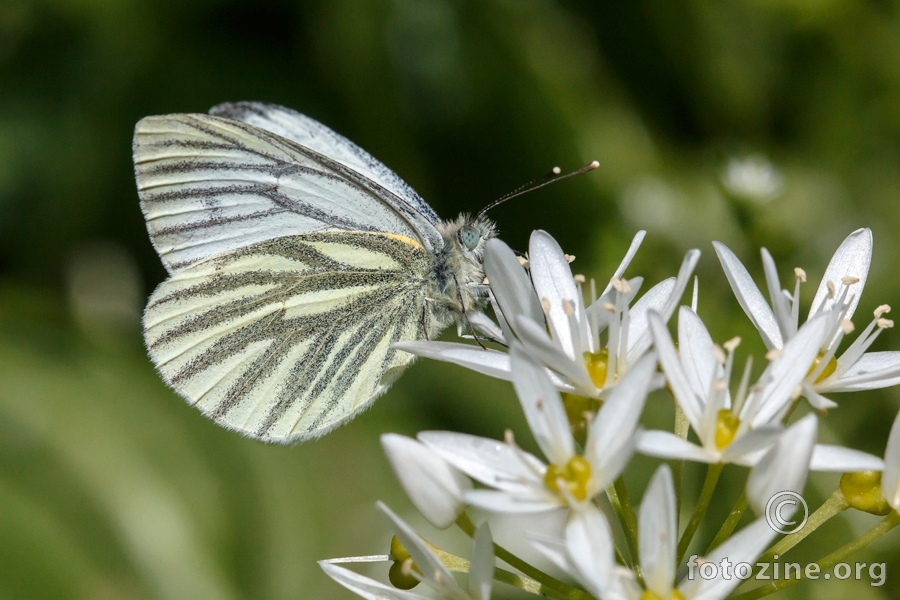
column 295, row 259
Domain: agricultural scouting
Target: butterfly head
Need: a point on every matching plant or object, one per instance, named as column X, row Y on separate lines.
column 468, row 235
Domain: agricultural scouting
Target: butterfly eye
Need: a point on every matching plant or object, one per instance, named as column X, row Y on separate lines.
column 469, row 236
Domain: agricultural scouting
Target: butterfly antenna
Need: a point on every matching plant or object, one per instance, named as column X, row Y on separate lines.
column 551, row 177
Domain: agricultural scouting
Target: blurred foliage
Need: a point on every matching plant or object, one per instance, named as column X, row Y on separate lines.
column 754, row 122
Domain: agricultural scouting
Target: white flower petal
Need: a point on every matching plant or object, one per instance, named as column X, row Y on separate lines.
column 751, row 441
column 838, row 459
column 664, row 444
column 433, row 570
column 658, row 533
column 780, row 304
column 589, row 543
column 873, row 370
column 365, row 587
column 552, row 279
column 610, row 440
column 535, row 340
column 816, row 400
column 890, row 478
column 433, row 486
column 510, row 283
column 653, row 300
column 749, row 296
column 486, row 326
column 487, row 362
column 632, row 250
column 851, row 259
column 785, row 373
column 681, row 281
column 491, row 462
column 690, row 403
column 785, row 466
column 695, row 350
column 513, row 502
column 481, row 570
column 543, row 408
column 743, row 547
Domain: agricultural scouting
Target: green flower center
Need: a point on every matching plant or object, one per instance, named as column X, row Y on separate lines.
column 727, row 425
column 675, row 595
column 400, row 574
column 574, row 476
column 597, row 364
column 830, row 367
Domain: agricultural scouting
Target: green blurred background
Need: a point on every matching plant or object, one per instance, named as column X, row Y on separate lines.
column 754, row 122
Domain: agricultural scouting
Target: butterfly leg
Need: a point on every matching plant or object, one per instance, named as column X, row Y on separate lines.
column 424, row 324
column 466, row 316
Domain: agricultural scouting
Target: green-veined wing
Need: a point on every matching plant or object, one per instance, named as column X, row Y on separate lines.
column 287, row 338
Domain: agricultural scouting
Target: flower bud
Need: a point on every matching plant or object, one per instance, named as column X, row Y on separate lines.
column 862, row 491
column 435, row 488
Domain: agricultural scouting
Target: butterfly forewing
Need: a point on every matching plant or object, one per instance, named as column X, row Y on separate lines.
column 209, row 185
column 286, row 338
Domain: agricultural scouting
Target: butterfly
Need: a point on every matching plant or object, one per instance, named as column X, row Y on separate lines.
column 295, row 261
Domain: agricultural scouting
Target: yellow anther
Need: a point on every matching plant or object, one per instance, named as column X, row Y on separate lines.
column 863, row 492
column 597, row 364
column 727, row 425
column 575, row 475
column 827, row 371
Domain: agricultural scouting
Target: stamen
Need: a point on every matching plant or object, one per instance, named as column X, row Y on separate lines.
column 545, row 304
column 719, row 354
column 567, row 307
column 579, row 278
column 882, row 310
column 773, row 354
column 523, row 261
column 847, row 326
column 884, row 323
column 569, row 258
column 830, row 286
column 621, row 286
column 849, row 280
column 800, row 274
column 694, row 295
column 733, row 343
column 609, row 307
column 742, row 388
column 486, row 282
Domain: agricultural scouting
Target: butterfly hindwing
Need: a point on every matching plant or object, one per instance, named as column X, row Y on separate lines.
column 285, row 339
column 210, row 185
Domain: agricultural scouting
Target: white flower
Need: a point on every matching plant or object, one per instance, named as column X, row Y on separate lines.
column 738, row 431
column 547, row 316
column 521, row 482
column 838, row 295
column 423, row 564
column 434, row 487
column 587, row 553
column 752, row 178
column 785, row 466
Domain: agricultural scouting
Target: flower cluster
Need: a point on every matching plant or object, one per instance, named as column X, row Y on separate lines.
column 583, row 371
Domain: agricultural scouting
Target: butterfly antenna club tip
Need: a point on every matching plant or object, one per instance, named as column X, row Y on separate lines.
column 553, row 176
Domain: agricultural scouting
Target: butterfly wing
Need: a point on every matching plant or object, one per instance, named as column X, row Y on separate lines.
column 287, row 338
column 310, row 133
column 209, row 185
